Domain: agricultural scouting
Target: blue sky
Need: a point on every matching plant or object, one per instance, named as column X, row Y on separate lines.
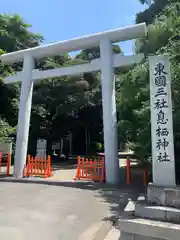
column 59, row 20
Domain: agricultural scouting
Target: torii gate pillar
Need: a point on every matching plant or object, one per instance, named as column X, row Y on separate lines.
column 109, row 111
column 24, row 116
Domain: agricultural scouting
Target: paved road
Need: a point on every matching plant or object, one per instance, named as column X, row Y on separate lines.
column 57, row 212
column 36, row 211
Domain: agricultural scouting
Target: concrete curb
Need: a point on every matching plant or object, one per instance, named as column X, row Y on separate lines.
column 37, row 181
column 103, row 230
column 89, row 184
column 97, row 231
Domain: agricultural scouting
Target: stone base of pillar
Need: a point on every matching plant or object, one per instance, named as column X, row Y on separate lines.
column 155, row 217
column 145, row 229
column 164, row 196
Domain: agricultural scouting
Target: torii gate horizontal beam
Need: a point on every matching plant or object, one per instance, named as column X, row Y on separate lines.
column 95, row 65
column 53, row 49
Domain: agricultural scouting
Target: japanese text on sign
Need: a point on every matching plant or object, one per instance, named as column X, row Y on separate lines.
column 161, row 107
column 162, row 140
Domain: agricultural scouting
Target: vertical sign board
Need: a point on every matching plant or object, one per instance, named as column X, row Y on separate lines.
column 6, row 147
column 41, row 148
column 161, row 121
column 41, row 144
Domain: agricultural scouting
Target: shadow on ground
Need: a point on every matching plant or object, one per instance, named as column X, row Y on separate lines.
column 64, row 164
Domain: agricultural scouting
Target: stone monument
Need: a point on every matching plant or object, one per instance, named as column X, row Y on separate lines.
column 6, row 146
column 161, row 122
column 41, row 148
column 157, row 217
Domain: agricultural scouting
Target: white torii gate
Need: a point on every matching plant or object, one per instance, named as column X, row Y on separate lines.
column 106, row 64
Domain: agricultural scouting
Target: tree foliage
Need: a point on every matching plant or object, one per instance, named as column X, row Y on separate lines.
column 134, row 105
column 59, row 104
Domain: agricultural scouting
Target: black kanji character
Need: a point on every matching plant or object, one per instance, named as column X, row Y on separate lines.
column 162, row 132
column 160, row 81
column 159, row 69
column 163, row 157
column 161, row 118
column 159, row 104
column 162, row 143
column 160, row 92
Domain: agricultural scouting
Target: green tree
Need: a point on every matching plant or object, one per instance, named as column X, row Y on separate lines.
column 14, row 35
column 134, row 99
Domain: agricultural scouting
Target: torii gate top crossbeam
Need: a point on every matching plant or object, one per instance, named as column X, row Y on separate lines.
column 121, row 34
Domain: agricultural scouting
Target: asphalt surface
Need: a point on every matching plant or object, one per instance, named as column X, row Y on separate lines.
column 37, row 211
column 61, row 211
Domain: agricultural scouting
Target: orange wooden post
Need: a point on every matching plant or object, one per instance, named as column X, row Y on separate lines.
column 128, row 171
column 98, row 169
column 78, row 168
column 90, row 167
column 145, row 177
column 94, row 169
column 51, row 171
column 8, row 164
column 87, row 167
column 82, row 168
column 49, row 166
column 28, row 165
column 36, row 165
column 104, row 170
column 101, row 170
column 44, row 168
column 40, row 167
column 33, row 166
